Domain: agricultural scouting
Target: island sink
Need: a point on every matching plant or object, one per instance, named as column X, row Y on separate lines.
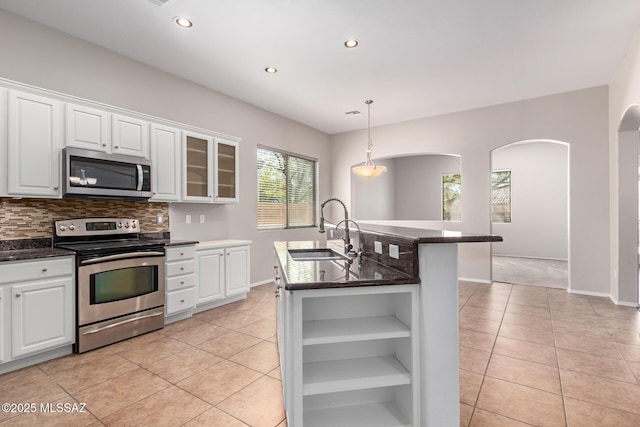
column 322, row 254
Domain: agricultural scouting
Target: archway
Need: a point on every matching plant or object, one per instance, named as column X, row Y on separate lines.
column 625, row 282
column 530, row 209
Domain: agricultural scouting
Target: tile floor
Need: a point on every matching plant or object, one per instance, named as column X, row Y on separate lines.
column 528, row 356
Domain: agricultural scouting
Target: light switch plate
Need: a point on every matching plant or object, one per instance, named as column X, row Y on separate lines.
column 377, row 247
column 201, row 219
column 188, row 219
column 394, row 251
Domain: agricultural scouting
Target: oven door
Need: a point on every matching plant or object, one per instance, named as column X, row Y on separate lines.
column 116, row 288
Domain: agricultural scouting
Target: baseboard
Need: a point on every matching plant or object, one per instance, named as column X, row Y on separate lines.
column 589, row 293
column 264, row 282
column 471, row 279
column 531, row 257
column 624, row 303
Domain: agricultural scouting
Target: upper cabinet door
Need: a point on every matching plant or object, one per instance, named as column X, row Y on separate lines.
column 165, row 163
column 87, row 128
column 34, row 142
column 227, row 174
column 129, row 136
column 197, row 177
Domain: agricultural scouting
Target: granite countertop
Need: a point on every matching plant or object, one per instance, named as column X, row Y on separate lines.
column 300, row 275
column 423, row 235
column 33, row 253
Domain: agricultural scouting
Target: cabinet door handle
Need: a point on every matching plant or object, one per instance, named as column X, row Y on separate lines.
column 56, row 187
column 181, row 268
column 181, row 300
column 44, row 270
column 181, row 253
column 18, row 295
column 182, row 283
column 104, row 145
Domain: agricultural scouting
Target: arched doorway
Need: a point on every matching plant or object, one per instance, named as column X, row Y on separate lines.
column 625, row 266
column 530, row 210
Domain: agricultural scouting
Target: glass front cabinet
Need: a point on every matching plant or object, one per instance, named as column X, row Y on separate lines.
column 197, row 182
column 227, row 177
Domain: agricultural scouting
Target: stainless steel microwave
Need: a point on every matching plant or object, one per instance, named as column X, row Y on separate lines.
column 89, row 173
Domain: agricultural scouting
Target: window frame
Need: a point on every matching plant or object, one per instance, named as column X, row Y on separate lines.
column 315, row 202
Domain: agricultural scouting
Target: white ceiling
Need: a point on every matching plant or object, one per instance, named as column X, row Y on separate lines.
column 416, row 58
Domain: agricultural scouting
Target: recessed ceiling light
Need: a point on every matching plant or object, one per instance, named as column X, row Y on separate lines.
column 271, row 70
column 351, row 43
column 183, row 22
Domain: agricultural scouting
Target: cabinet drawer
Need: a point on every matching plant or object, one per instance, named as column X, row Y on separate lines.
column 180, row 268
column 184, row 299
column 181, row 282
column 33, row 270
column 180, row 253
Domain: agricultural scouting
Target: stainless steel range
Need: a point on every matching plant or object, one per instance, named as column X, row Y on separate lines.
column 119, row 279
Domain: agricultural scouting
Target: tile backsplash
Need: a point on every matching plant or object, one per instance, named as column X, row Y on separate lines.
column 33, row 218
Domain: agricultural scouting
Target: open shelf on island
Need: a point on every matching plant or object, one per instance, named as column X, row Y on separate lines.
column 353, row 374
column 353, row 329
column 378, row 414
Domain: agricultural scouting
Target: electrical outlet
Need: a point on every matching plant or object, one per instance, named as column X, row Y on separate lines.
column 159, row 219
column 201, row 219
column 377, row 247
column 188, row 219
column 394, row 251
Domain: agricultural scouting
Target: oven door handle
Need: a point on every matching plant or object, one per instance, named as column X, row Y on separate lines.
column 120, row 256
column 113, row 325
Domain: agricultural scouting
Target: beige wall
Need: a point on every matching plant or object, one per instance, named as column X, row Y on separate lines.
column 46, row 58
column 624, row 98
column 578, row 118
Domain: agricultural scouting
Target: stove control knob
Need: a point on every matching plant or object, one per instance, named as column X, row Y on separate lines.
column 119, row 225
column 63, row 228
column 133, row 225
column 72, row 227
column 126, row 225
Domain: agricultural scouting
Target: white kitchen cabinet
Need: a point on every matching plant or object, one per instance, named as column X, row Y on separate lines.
column 37, row 306
column 227, row 166
column 197, row 177
column 180, row 281
column 129, row 136
column 5, row 331
column 350, row 356
column 236, row 270
column 223, row 270
column 87, row 128
column 166, row 158
column 33, row 145
column 211, row 268
column 3, row 141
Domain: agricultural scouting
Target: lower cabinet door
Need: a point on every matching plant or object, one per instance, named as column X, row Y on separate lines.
column 237, row 270
column 177, row 301
column 210, row 275
column 41, row 315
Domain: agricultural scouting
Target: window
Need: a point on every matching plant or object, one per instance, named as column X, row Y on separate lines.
column 451, row 197
column 501, row 196
column 286, row 190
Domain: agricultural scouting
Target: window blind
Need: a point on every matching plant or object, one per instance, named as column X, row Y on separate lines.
column 286, row 190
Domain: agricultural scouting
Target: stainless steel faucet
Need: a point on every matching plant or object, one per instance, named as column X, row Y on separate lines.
column 351, row 252
column 347, row 240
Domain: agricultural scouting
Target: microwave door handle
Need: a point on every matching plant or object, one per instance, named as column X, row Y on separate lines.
column 140, row 178
column 120, row 256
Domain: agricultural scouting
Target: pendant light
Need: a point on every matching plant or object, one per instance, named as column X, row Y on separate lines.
column 369, row 168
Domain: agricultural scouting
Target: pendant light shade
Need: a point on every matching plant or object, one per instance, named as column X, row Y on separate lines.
column 369, row 169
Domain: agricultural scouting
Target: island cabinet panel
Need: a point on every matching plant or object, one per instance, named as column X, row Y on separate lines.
column 4, row 330
column 350, row 356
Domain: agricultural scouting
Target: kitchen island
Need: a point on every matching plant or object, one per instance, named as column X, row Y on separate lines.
column 372, row 341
